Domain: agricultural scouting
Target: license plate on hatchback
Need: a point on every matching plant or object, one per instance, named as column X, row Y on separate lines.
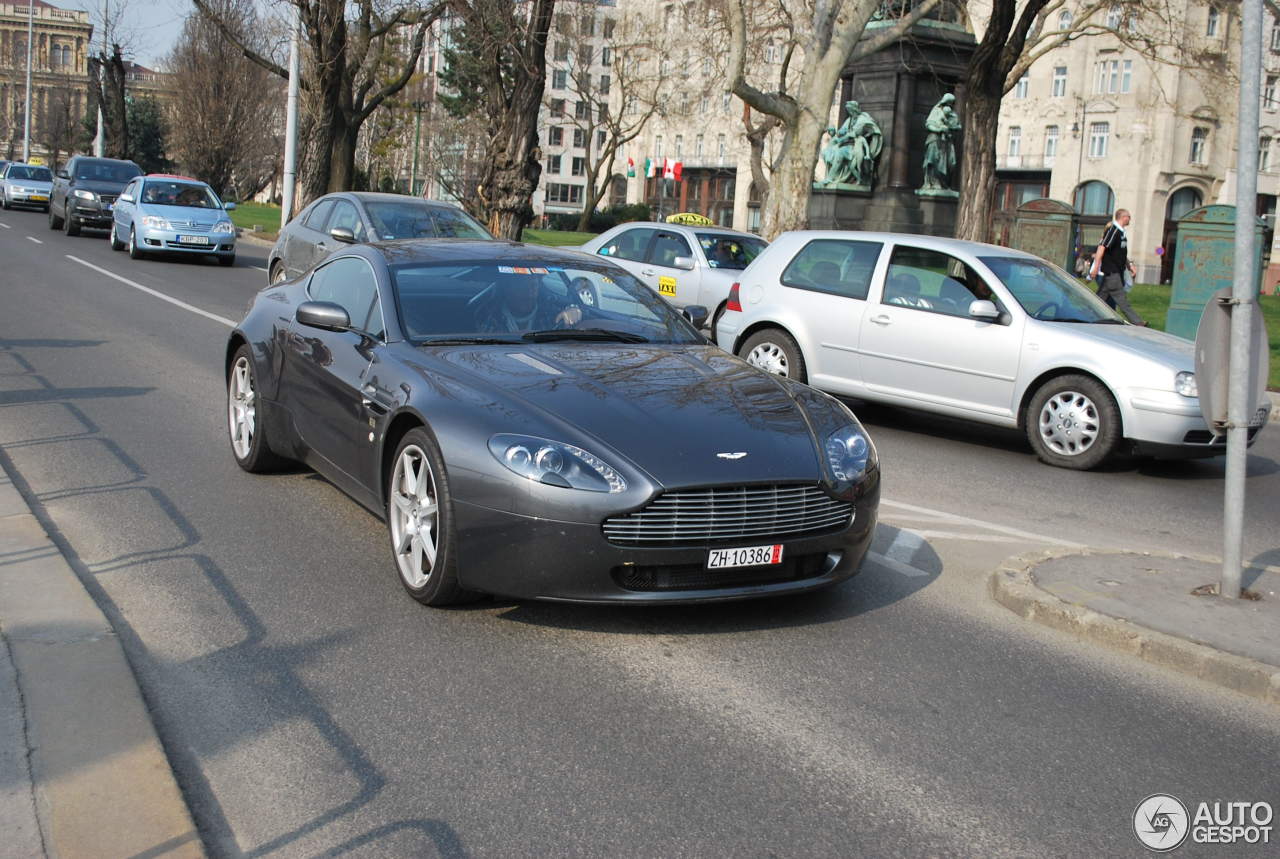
column 39, row 198
column 749, row 556
column 193, row 240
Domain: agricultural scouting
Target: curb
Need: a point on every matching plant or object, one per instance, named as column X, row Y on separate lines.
column 1275, row 407
column 99, row 778
column 248, row 236
column 1012, row 586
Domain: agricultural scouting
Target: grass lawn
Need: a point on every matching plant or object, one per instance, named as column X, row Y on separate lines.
column 262, row 214
column 1152, row 303
column 556, row 238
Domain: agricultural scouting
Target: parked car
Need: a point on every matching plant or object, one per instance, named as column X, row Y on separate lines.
column 521, row 443
column 352, row 217
column 25, row 185
column 972, row 331
column 684, row 264
column 173, row 214
column 85, row 190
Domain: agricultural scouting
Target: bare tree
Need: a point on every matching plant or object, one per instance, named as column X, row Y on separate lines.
column 61, row 128
column 106, row 94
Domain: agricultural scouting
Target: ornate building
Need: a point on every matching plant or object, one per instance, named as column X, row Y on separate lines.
column 59, row 75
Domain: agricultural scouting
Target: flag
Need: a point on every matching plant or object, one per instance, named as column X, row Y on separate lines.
column 679, row 170
column 631, row 167
column 668, row 168
column 650, row 168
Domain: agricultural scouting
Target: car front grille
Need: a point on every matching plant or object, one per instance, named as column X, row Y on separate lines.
column 698, row 516
column 688, row 577
column 189, row 227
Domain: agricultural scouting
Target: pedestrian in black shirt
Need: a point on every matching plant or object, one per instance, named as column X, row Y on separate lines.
column 1112, row 260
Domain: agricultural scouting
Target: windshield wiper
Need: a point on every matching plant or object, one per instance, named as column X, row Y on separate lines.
column 467, row 341
column 584, row 334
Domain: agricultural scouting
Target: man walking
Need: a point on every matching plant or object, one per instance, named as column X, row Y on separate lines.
column 1112, row 259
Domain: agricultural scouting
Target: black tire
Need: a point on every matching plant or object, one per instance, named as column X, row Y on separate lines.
column 4, row 203
column 1073, row 422
column 135, row 252
column 116, row 244
column 70, row 225
column 226, row 260
column 439, row 585
column 55, row 223
column 255, row 457
column 778, row 353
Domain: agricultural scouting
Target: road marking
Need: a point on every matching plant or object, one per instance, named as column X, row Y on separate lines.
column 967, row 535
column 896, row 565
column 979, row 523
column 149, row 291
column 258, row 267
column 6, row 226
column 34, row 239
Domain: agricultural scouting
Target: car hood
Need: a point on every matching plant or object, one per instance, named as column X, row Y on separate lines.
column 98, row 186
column 187, row 214
column 39, row 184
column 671, row 410
column 1146, row 343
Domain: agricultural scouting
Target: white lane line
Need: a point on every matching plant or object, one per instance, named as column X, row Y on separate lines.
column 6, row 226
column 895, row 565
column 34, row 239
column 258, row 267
column 979, row 523
column 160, row 295
column 967, row 535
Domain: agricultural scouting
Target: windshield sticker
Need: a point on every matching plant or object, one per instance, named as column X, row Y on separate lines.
column 506, row 269
column 538, row 270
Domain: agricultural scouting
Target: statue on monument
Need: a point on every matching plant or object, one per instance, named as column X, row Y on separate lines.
column 940, row 145
column 851, row 155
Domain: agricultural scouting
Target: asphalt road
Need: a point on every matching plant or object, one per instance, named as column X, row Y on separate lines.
column 311, row 708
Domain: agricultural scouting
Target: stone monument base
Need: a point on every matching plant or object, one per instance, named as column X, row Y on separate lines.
column 940, row 193
column 891, row 210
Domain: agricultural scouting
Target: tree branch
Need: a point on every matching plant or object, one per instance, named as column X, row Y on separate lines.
column 249, row 53
column 888, row 35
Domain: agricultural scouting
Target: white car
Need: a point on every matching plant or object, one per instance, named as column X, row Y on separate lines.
column 972, row 331
column 685, row 265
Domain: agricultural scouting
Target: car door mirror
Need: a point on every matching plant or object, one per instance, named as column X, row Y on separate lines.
column 323, row 314
column 230, row 207
column 62, row 174
column 343, row 234
column 685, row 263
column 126, row 198
column 696, row 314
column 983, row 309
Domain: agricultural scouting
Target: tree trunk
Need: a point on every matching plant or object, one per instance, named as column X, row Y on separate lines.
column 342, row 157
column 980, row 119
column 787, row 204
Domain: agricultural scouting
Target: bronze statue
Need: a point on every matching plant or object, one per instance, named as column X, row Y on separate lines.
column 850, row 156
column 940, row 146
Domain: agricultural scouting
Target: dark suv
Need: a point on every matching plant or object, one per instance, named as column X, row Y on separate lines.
column 85, row 190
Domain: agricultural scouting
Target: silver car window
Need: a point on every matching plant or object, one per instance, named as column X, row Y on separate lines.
column 732, row 252
column 1047, row 292
column 835, row 266
column 318, row 215
column 345, row 215
column 629, row 244
column 925, row 279
column 666, row 247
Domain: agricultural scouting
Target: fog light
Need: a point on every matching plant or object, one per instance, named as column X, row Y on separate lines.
column 1185, row 383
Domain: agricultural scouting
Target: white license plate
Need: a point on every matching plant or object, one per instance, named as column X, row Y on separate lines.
column 750, row 556
column 193, row 240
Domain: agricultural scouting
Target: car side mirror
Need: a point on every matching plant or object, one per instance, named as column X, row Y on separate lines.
column 323, row 314
column 343, row 234
column 230, row 207
column 126, row 198
column 685, row 263
column 983, row 309
column 62, row 174
column 696, row 314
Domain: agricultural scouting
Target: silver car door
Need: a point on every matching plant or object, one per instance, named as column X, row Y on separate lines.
column 677, row 284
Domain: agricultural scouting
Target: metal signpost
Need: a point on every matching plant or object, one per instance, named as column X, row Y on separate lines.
column 291, row 122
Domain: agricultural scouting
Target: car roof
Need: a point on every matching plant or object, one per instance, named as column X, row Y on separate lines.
column 448, row 250
column 380, row 196
column 688, row 228
column 938, row 243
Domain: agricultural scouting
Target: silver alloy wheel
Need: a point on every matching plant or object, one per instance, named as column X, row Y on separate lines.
column 133, row 243
column 770, row 357
column 1069, row 423
column 242, row 414
column 279, row 275
column 414, row 515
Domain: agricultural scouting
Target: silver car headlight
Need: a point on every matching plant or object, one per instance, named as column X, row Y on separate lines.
column 224, row 227
column 1185, row 383
column 848, row 451
column 555, row 463
column 85, row 195
column 155, row 222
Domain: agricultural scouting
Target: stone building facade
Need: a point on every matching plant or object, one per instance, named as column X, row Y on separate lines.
column 59, row 72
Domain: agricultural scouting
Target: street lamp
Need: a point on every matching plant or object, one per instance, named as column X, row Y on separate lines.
column 418, row 107
column 26, row 120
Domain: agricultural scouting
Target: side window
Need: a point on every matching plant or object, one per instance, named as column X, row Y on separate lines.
column 345, row 215
column 349, row 282
column 835, row 266
column 318, row 215
column 630, row 244
column 666, row 247
column 932, row 280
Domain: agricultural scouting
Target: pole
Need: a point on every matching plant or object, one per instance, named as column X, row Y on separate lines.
column 1244, row 295
column 100, row 139
column 417, row 136
column 291, row 123
column 26, row 120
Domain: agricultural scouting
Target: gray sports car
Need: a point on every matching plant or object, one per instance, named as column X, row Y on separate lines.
column 536, row 423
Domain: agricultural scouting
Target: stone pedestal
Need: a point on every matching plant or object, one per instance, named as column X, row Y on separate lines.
column 894, row 210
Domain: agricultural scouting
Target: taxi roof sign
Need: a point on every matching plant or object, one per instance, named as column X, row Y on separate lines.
column 691, row 219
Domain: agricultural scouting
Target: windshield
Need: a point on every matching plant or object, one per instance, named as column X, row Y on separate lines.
column 185, row 194
column 488, row 302
column 411, row 219
column 734, row 252
column 105, row 171
column 1047, row 292
column 34, row 174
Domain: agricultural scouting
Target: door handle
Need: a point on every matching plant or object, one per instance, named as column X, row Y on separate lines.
column 882, row 319
column 648, row 272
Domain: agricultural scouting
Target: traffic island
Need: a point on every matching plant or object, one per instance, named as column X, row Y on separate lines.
column 1143, row 604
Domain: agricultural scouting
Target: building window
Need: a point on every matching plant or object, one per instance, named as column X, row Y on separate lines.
column 562, row 51
column 1113, row 17
column 1112, row 77
column 601, row 137
column 657, row 146
column 563, row 193
column 1015, row 141
column 1059, row 81
column 606, row 56
column 1126, row 75
column 1050, row 144
column 1199, row 143
column 1269, row 92
column 579, row 138
column 608, row 28
column 1211, row 26
column 578, row 167
column 679, row 146
column 559, row 79
column 553, row 164
column 1022, row 86
column 555, row 137
column 720, row 146
column 581, row 110
column 557, row 107
column 605, row 83
column 684, row 102
column 1275, row 39
column 704, row 105
column 706, row 67
column 697, row 147
column 587, row 25
column 1264, row 155
column 725, row 102
column 1065, row 20
column 1099, row 134
column 770, row 53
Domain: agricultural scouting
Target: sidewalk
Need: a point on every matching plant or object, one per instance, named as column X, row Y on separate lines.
column 1142, row 604
column 82, row 772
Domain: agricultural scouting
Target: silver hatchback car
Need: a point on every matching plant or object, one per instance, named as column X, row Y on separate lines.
column 25, row 185
column 972, row 331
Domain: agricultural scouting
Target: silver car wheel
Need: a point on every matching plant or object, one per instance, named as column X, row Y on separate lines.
column 769, row 357
column 242, row 414
column 414, row 514
column 1069, row 423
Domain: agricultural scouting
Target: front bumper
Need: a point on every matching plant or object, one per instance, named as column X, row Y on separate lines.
column 519, row 556
column 1166, row 424
column 154, row 239
column 26, row 197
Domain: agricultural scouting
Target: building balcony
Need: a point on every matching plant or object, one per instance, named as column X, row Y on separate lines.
column 1025, row 162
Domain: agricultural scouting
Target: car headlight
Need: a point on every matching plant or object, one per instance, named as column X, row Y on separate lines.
column 224, row 227
column 555, row 463
column 85, row 195
column 155, row 222
column 848, row 451
column 1185, row 383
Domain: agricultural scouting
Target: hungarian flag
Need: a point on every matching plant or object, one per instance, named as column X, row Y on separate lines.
column 668, row 168
column 650, row 168
column 631, row 167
